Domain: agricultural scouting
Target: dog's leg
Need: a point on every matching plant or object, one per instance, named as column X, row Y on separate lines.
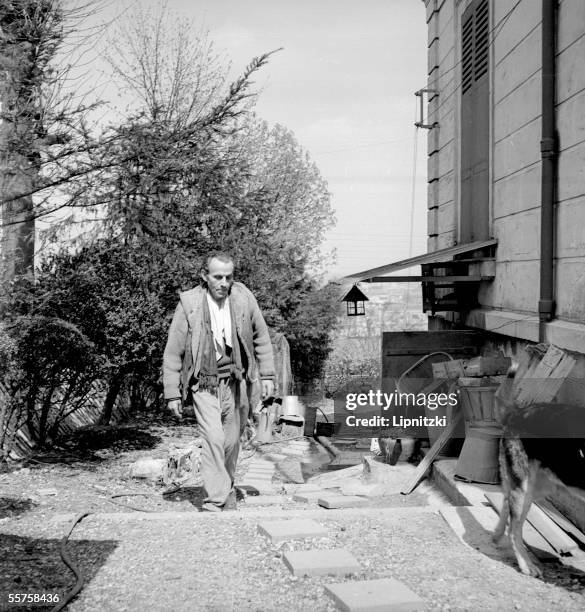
column 520, row 502
column 505, row 510
column 501, row 526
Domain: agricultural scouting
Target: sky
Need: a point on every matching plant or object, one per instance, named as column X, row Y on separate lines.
column 344, row 83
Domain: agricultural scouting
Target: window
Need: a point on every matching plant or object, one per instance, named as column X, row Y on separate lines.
column 474, row 203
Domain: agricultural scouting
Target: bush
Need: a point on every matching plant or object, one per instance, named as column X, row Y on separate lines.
column 48, row 363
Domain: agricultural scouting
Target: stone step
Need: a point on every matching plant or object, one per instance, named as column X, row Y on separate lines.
column 296, row 529
column 342, row 501
column 383, row 595
column 310, row 497
column 337, row 561
column 253, row 501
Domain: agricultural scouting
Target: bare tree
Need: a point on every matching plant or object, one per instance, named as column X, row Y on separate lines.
column 167, row 64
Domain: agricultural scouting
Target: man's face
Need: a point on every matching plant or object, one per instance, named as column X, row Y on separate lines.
column 219, row 278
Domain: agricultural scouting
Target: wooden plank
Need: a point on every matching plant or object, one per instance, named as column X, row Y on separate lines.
column 543, row 377
column 563, row 522
column 432, row 279
column 425, row 464
column 540, row 546
column 550, row 531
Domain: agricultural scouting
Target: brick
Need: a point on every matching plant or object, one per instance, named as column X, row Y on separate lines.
column 342, row 501
column 281, row 531
column 321, row 562
column 383, row 595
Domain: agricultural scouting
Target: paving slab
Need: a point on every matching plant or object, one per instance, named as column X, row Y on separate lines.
column 262, row 487
column 302, row 445
column 251, row 474
column 291, row 471
column 295, row 452
column 281, row 531
column 342, row 501
column 292, row 487
column 338, row 561
column 264, row 500
column 383, row 595
column 274, row 457
column 310, row 497
column 366, row 490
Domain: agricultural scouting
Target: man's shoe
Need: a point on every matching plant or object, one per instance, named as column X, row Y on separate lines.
column 209, row 507
column 230, row 502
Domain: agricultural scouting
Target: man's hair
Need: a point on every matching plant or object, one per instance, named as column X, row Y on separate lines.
column 221, row 256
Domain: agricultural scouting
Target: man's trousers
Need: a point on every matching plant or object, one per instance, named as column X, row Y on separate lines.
column 220, row 423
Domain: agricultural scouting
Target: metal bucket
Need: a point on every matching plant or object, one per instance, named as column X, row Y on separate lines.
column 478, row 461
column 292, row 406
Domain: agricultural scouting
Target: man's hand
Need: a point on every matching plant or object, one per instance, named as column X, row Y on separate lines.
column 267, row 388
column 176, row 407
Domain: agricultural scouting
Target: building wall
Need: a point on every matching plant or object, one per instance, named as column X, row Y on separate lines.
column 570, row 269
column 443, row 78
column 515, row 132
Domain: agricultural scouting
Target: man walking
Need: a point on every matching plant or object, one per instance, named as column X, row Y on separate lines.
column 218, row 345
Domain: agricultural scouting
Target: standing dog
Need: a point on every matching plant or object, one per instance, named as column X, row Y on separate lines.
column 542, row 448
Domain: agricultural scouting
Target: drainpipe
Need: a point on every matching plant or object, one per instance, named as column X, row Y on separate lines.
column 546, row 305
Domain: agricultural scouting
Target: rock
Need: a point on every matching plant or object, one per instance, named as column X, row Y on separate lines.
column 149, row 469
column 380, row 473
column 46, row 492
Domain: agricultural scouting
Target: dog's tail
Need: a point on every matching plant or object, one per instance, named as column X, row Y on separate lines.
column 505, row 394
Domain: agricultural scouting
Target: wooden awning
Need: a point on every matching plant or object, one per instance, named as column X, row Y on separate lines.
column 377, row 275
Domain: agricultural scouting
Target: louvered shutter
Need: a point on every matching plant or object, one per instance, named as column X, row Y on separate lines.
column 474, row 215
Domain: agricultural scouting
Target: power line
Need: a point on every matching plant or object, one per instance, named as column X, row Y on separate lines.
column 363, row 146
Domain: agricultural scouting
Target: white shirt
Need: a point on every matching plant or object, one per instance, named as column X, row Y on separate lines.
column 221, row 324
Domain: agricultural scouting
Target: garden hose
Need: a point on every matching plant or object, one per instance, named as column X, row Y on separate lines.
column 79, row 577
column 65, row 556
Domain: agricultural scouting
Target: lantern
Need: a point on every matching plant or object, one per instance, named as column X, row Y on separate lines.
column 355, row 302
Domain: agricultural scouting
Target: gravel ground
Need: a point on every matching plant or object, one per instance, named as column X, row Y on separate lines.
column 173, row 557
column 220, row 563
